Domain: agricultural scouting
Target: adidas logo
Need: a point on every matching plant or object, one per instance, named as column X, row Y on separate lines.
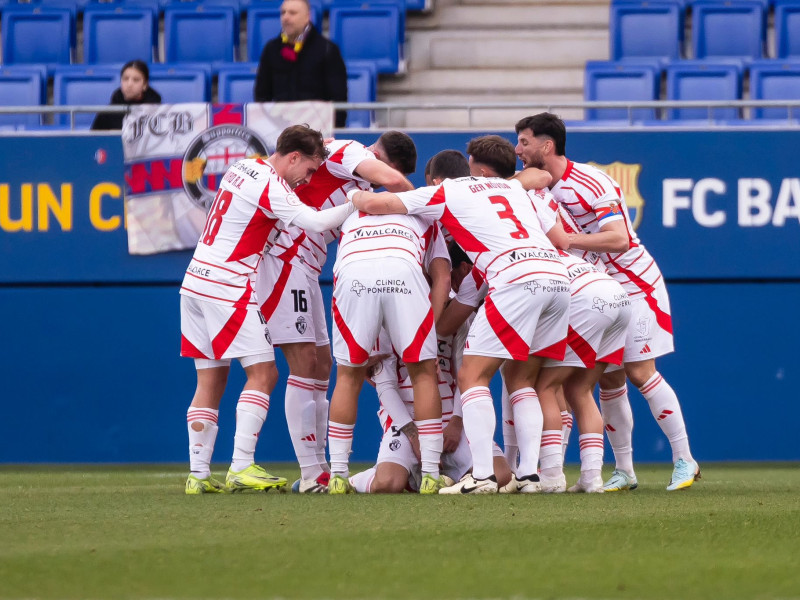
column 646, row 349
column 664, row 414
column 309, row 438
column 610, row 428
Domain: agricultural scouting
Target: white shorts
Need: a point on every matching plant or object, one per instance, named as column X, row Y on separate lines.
column 291, row 301
column 218, row 331
column 649, row 333
column 390, row 293
column 518, row 320
column 599, row 314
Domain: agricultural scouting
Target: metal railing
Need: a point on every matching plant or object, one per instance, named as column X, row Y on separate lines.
column 390, row 114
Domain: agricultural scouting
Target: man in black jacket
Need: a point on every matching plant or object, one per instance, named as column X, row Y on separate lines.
column 301, row 64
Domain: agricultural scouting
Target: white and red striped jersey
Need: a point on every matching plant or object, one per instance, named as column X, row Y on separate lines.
column 472, row 290
column 252, row 202
column 494, row 222
column 595, row 199
column 328, row 187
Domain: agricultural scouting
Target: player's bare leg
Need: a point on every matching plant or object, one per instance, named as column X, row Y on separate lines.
column 202, row 418
column 390, row 478
column 428, row 419
column 548, row 386
column 578, row 390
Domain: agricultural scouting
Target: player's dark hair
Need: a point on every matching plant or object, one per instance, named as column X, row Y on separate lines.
column 427, row 172
column 400, row 151
column 140, row 66
column 457, row 255
column 302, row 139
column 495, row 152
column 546, row 124
column 449, row 164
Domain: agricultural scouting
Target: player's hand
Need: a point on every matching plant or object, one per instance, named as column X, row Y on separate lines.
column 411, row 432
column 452, row 434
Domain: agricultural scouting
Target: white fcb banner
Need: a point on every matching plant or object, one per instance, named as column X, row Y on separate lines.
column 176, row 155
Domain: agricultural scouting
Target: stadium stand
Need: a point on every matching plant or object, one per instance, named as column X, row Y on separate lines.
column 361, row 87
column 22, row 85
column 624, row 80
column 703, row 80
column 774, row 80
column 235, row 82
column 787, row 29
column 199, row 32
column 181, row 82
column 370, row 31
column 728, row 29
column 37, row 34
column 78, row 84
column 644, row 29
column 104, row 28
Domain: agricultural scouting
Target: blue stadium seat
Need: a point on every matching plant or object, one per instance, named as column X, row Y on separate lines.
column 369, row 32
column 645, row 29
column 22, row 86
column 37, row 34
column 264, row 23
column 361, row 87
column 74, row 6
column 105, row 26
column 76, row 85
column 235, row 83
column 703, row 80
column 787, row 28
column 195, row 32
column 181, row 82
column 775, row 80
column 621, row 81
column 728, row 29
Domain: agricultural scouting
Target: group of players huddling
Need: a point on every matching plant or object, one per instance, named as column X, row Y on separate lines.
column 536, row 274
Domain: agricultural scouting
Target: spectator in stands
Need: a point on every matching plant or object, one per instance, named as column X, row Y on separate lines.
column 134, row 89
column 301, row 64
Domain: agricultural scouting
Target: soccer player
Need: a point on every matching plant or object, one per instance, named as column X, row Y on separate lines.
column 596, row 202
column 220, row 319
column 288, row 289
column 524, row 315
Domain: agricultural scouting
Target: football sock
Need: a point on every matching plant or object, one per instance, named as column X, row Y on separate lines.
column 528, row 424
column 321, row 402
column 201, row 443
column 551, row 459
column 362, row 482
column 566, row 429
column 430, row 445
column 618, row 422
column 301, row 416
column 340, row 442
column 510, row 448
column 591, row 445
column 667, row 411
column 251, row 412
column 479, row 424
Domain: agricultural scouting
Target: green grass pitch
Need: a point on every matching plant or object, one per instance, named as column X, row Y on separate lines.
column 130, row 532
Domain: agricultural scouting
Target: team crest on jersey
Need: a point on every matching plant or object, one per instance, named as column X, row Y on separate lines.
column 627, row 176
column 394, row 445
column 300, row 325
column 209, row 156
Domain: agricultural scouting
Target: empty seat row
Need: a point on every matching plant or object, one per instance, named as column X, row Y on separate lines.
column 193, row 32
column 719, row 29
column 76, row 85
column 627, row 81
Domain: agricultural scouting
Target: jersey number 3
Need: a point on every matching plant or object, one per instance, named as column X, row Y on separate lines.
column 507, row 213
column 221, row 205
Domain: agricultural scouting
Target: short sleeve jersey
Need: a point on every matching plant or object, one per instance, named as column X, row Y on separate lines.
column 252, row 201
column 494, row 222
column 328, row 187
column 594, row 199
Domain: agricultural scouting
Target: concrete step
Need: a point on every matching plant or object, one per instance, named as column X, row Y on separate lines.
column 514, row 49
column 467, row 81
column 505, row 17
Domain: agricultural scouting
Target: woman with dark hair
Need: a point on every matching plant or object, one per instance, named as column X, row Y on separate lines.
column 134, row 89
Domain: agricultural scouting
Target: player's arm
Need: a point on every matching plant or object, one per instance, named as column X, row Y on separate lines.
column 558, row 237
column 379, row 174
column 292, row 211
column 377, row 203
column 453, row 317
column 612, row 237
column 439, row 272
column 533, row 178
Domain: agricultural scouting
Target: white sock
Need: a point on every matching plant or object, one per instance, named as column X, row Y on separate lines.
column 201, row 443
column 430, row 445
column 566, row 430
column 362, row 482
column 528, row 425
column 591, row 445
column 340, row 441
column 667, row 411
column 510, row 447
column 551, row 460
column 251, row 412
column 322, row 404
column 301, row 416
column 618, row 422
column 479, row 424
